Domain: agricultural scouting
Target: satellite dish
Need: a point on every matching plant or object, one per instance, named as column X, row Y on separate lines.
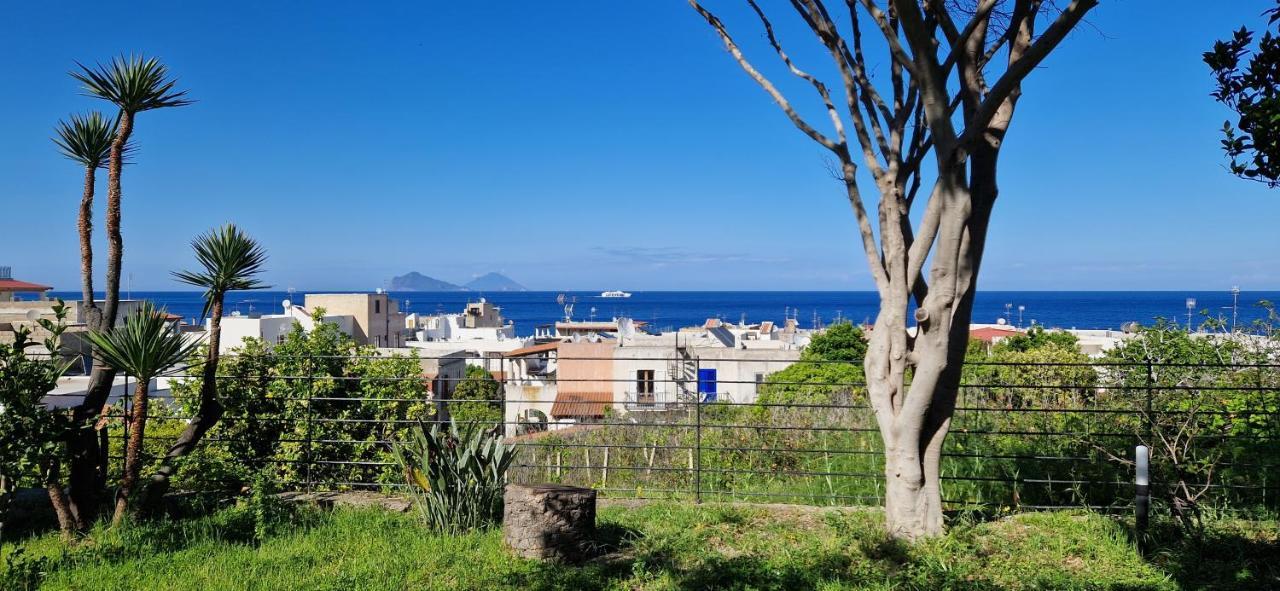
column 560, row 300
column 287, row 304
column 33, row 315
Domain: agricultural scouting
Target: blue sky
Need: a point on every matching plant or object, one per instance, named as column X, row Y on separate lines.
column 593, row 145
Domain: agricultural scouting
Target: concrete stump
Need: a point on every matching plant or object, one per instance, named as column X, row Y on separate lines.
column 550, row 522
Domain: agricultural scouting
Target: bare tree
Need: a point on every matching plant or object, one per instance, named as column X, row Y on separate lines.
column 937, row 101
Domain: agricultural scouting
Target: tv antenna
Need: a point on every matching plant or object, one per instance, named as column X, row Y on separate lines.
column 568, row 306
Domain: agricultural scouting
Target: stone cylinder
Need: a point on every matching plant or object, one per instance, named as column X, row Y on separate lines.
column 550, row 522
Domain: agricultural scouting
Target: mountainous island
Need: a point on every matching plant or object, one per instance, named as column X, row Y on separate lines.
column 494, row 282
column 415, row 281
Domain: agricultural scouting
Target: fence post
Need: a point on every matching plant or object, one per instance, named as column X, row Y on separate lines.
column 1150, row 420
column 306, row 453
column 1142, row 491
column 697, row 438
column 126, row 418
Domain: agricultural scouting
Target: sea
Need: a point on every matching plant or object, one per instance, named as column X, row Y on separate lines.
column 674, row 309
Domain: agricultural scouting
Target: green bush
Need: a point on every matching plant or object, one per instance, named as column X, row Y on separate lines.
column 314, row 409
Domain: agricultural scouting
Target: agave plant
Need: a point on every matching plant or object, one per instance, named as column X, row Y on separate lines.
column 456, row 476
column 144, row 347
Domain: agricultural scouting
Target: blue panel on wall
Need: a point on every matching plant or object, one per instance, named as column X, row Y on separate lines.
column 707, row 384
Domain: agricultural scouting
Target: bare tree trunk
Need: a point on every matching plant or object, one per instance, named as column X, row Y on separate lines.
column 207, row 415
column 88, row 472
column 915, row 418
column 132, row 452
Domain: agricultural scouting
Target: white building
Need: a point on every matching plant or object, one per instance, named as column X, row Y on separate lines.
column 480, row 330
column 271, row 328
column 585, row 378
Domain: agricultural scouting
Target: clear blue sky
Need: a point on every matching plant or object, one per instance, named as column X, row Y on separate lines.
column 593, row 145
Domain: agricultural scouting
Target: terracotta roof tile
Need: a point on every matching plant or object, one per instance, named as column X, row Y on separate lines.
column 581, row 404
column 15, row 285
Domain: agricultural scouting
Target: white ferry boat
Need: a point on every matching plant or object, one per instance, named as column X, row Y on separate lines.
column 615, row 294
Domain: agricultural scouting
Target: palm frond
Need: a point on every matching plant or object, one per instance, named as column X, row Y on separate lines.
column 144, row 346
column 134, row 83
column 229, row 259
column 87, row 138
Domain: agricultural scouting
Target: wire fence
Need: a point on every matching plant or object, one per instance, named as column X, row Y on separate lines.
column 1024, row 436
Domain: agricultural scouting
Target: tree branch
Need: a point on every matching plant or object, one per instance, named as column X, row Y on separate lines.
column 764, row 83
column 1018, row 69
column 821, row 88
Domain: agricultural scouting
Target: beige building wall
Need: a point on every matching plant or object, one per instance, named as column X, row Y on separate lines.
column 585, row 367
column 377, row 318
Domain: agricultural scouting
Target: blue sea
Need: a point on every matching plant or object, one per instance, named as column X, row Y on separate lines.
column 674, row 309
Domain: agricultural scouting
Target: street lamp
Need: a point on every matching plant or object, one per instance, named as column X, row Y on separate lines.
column 1008, row 313
column 1021, row 309
column 1235, row 304
column 1191, row 306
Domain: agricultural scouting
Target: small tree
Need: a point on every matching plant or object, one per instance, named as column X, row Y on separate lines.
column 31, row 434
column 480, row 399
column 144, row 347
column 1204, row 395
column 230, row 260
column 948, row 94
column 1251, row 91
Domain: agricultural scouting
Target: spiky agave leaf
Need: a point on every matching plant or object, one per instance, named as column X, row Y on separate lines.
column 145, row 346
column 230, row 260
column 134, row 83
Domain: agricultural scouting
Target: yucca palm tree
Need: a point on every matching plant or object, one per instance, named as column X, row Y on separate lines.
column 86, row 140
column 229, row 261
column 133, row 84
column 146, row 346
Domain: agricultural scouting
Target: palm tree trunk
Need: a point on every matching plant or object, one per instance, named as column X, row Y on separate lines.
column 132, row 451
column 57, row 498
column 85, row 225
column 88, row 462
column 115, row 243
column 207, row 415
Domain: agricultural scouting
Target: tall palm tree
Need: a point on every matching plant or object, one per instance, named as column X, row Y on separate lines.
column 133, row 84
column 86, row 139
column 230, row 260
column 144, row 347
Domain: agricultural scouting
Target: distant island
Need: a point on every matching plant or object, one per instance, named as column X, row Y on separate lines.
column 415, row 281
column 494, row 282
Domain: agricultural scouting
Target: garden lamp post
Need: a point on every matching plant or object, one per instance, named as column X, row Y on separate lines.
column 1191, row 306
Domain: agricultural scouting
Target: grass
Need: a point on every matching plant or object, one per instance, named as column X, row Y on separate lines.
column 650, row 546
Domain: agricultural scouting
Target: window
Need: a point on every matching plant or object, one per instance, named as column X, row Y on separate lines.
column 377, row 306
column 644, row 386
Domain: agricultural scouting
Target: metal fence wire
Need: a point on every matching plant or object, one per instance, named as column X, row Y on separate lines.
column 1024, row 436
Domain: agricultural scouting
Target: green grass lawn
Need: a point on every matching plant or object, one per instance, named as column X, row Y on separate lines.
column 650, row 546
